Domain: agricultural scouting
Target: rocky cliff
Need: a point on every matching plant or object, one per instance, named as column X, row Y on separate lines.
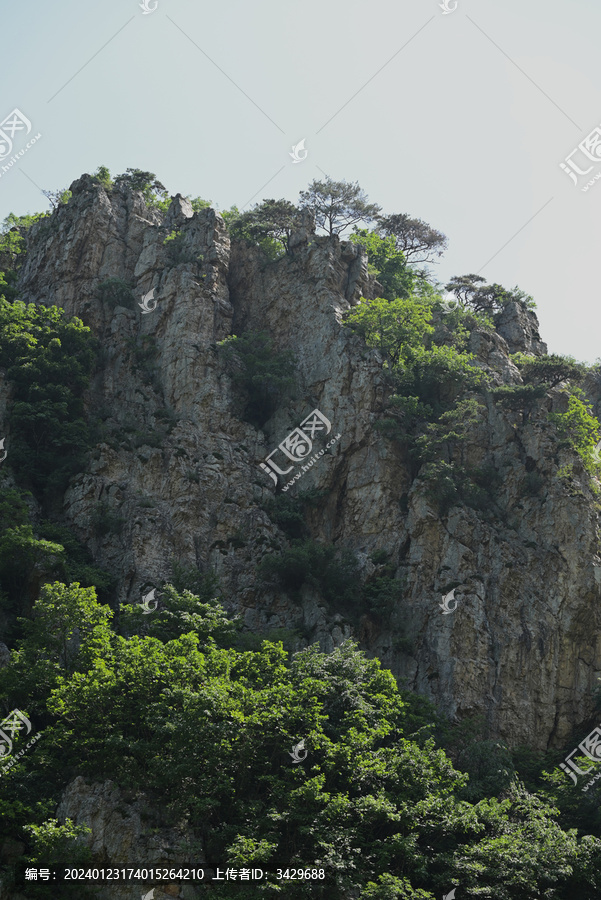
column 183, row 473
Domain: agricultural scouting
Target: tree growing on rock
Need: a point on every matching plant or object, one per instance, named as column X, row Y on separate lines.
column 271, row 220
column 337, row 205
column 473, row 293
column 414, row 238
column 155, row 193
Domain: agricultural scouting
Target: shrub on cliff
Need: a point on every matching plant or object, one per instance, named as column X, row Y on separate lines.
column 386, row 263
column 262, row 376
column 48, row 359
column 336, row 205
column 269, row 224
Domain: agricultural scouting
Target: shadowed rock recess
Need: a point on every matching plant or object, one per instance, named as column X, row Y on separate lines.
column 178, row 467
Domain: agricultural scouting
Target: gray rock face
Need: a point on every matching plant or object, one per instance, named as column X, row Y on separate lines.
column 519, row 327
column 521, row 646
column 4, row 655
column 124, row 834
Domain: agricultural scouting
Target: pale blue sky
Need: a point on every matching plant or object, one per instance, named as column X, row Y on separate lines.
column 464, row 126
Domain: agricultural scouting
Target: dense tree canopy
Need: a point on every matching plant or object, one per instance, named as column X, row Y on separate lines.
column 208, row 730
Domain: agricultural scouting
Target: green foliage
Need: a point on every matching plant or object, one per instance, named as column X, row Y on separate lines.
column 336, row 205
column 76, row 562
column 230, row 215
column 321, row 566
column 59, row 197
column 116, row 292
column 416, row 240
column 205, row 731
column 49, row 360
column 177, row 252
column 30, row 556
column 268, row 224
column 518, row 396
column 549, row 370
column 288, row 511
column 460, row 321
column 262, row 376
column 155, row 194
column 451, row 430
column 387, row 263
column 53, row 844
column 578, row 428
column 180, row 612
column 438, row 376
column 335, row 575
column 198, row 204
column 472, row 292
column 395, row 328
column 449, row 483
column 205, row 585
column 68, row 631
column 103, row 177
column 25, row 561
column 12, row 250
column 105, row 521
column 441, row 484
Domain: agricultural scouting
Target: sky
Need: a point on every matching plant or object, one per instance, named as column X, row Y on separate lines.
column 461, row 118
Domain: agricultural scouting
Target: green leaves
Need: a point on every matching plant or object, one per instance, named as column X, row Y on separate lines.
column 49, row 360
column 206, row 732
column 578, row 428
column 387, row 263
column 262, row 375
